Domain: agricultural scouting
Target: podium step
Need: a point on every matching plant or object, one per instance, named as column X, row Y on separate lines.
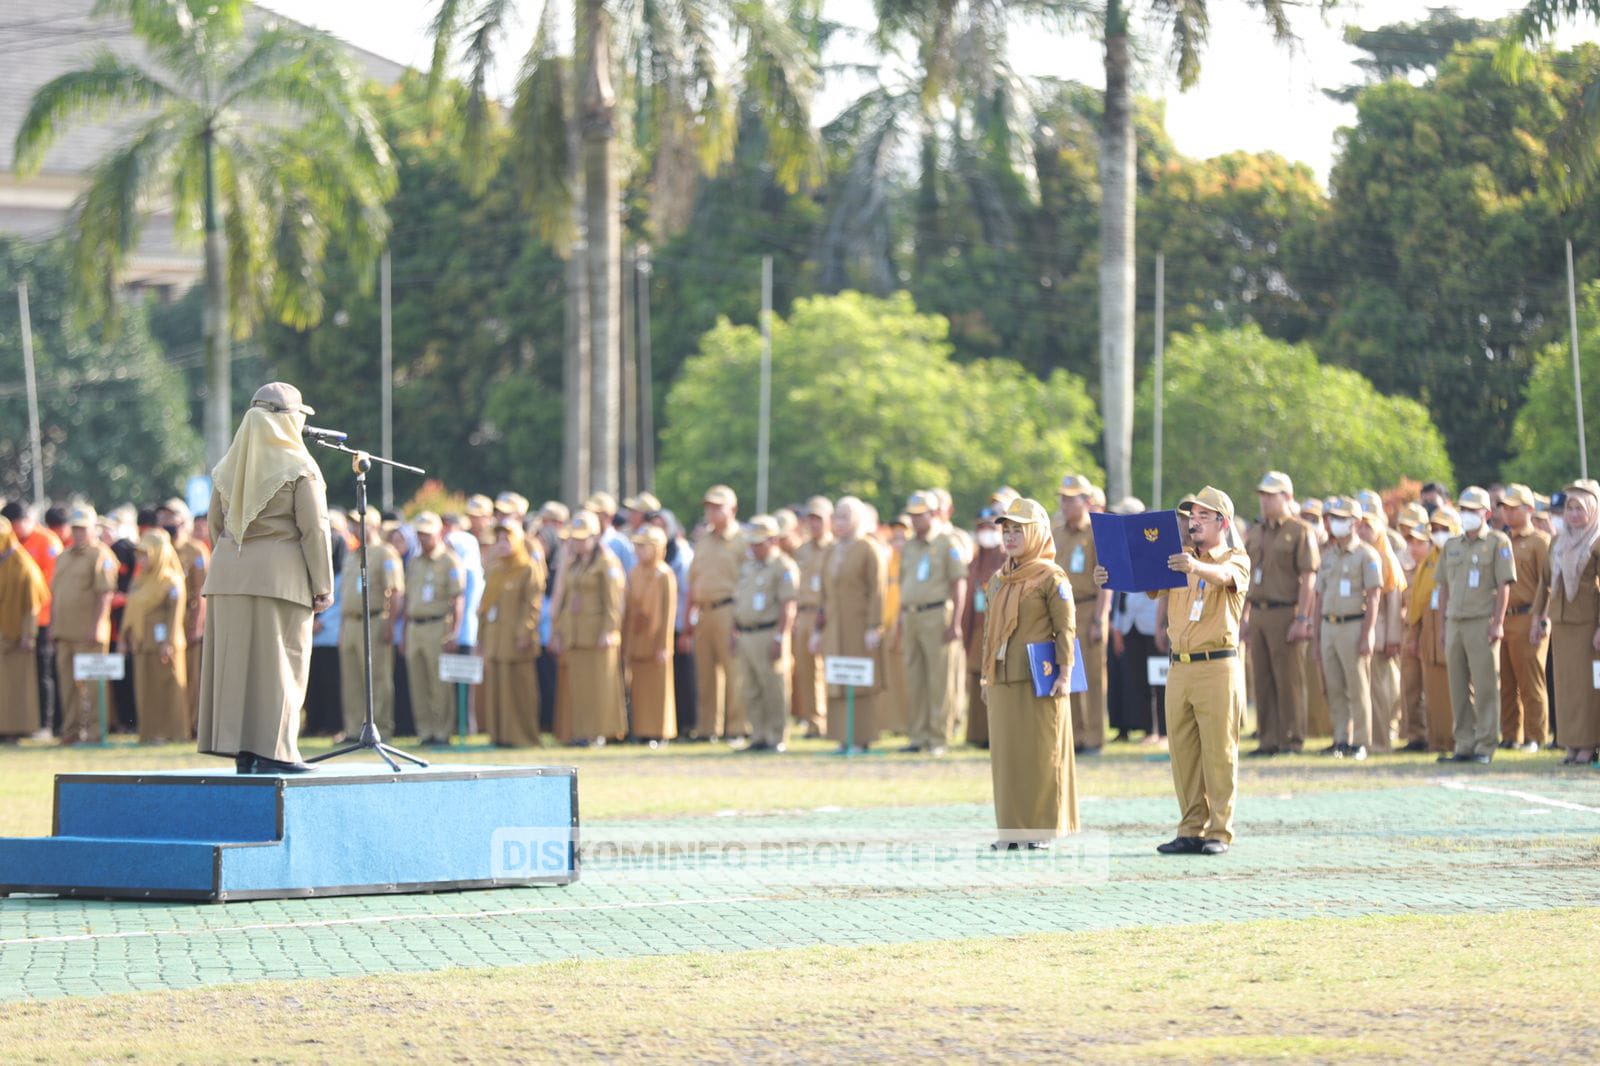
column 343, row 831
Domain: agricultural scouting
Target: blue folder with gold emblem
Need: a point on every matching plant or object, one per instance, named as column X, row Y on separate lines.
column 1134, row 549
column 1044, row 668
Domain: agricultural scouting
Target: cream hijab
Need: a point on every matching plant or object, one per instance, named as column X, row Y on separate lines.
column 267, row 454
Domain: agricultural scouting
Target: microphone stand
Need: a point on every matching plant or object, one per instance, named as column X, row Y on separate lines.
column 370, row 739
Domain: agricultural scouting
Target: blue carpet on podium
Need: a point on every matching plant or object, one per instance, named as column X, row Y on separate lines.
column 190, row 835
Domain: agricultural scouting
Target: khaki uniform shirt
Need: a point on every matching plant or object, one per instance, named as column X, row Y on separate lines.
column 433, row 583
column 1583, row 608
column 808, row 557
column 927, row 568
column 763, row 590
column 1075, row 554
column 714, row 573
column 1345, row 577
column 1471, row 571
column 1202, row 617
column 1046, row 613
column 513, row 615
column 196, row 560
column 388, row 582
column 591, row 601
column 82, row 576
column 286, row 555
column 1280, row 552
column 1530, row 552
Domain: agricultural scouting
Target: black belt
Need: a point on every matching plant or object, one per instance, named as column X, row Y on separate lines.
column 913, row 607
column 1273, row 605
column 808, row 607
column 1340, row 619
column 756, row 629
column 1519, row 610
column 425, row 621
column 1203, row 656
column 714, row 606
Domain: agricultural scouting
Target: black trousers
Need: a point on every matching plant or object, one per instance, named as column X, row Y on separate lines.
column 405, row 722
column 324, row 697
column 49, row 710
column 545, row 668
column 684, row 691
column 1144, row 704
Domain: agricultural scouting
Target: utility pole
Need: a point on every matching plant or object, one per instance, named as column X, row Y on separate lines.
column 386, row 374
column 630, row 380
column 1577, row 372
column 34, row 448
column 647, row 392
column 764, row 417
column 1160, row 382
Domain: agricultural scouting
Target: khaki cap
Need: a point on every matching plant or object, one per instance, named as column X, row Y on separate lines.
column 1076, row 485
column 1588, row 485
column 1311, row 507
column 1414, row 530
column 1214, row 499
column 1446, row 516
column 921, row 503
column 427, row 522
column 1412, row 514
column 479, row 506
column 818, row 506
column 761, row 528
column 901, row 520
column 1186, row 504
column 721, row 495
column 651, row 535
column 1343, row 507
column 601, row 503
column 645, row 503
column 555, row 511
column 583, row 526
column 787, row 521
column 1517, row 496
column 1026, row 512
column 81, row 515
column 1473, row 498
column 1128, row 505
column 1276, row 481
column 177, row 507
column 1541, row 503
column 1003, row 496
column 282, row 397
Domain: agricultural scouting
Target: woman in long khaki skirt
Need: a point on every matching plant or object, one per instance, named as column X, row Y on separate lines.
column 1571, row 613
column 1030, row 738
column 152, row 632
column 851, row 618
column 508, row 639
column 588, row 633
column 648, row 613
column 23, row 593
column 271, row 571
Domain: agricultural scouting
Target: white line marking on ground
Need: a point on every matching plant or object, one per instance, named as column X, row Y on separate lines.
column 1457, row 785
column 378, row 920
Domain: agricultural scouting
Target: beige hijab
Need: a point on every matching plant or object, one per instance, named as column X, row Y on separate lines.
column 158, row 581
column 1572, row 548
column 267, row 454
column 1035, row 566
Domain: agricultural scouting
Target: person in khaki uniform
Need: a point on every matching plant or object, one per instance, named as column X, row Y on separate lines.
column 1570, row 599
column 1389, row 633
column 712, row 577
column 1425, row 616
column 1031, row 759
column 481, row 520
column 1349, row 585
column 649, row 612
column 588, row 634
column 1283, row 572
column 508, row 638
column 851, row 619
column 989, row 555
column 1524, row 705
column 80, row 604
column 1476, row 573
column 388, row 589
column 24, row 594
column 810, row 692
column 763, row 617
column 195, row 555
column 894, row 706
column 1412, row 523
column 152, row 633
column 933, row 587
column 1318, row 721
column 434, row 599
column 271, row 573
column 1074, row 540
column 1205, row 687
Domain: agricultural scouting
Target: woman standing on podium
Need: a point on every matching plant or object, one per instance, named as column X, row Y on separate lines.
column 1030, row 737
column 271, row 571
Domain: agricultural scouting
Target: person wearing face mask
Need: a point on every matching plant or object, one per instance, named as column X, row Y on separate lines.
column 1348, row 589
column 435, row 598
column 1476, row 573
column 763, row 617
column 1524, row 704
column 1074, row 537
column 1413, row 524
column 271, row 572
column 1284, row 558
column 810, row 694
column 850, row 620
column 988, row 555
column 1389, row 635
column 1425, row 618
column 1568, row 609
column 933, row 586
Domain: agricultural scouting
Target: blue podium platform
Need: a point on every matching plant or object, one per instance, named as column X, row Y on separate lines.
column 357, row 830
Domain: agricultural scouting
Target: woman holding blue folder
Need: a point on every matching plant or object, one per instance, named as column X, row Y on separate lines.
column 1027, row 663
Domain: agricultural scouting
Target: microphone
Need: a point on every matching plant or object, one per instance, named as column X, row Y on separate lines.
column 324, row 436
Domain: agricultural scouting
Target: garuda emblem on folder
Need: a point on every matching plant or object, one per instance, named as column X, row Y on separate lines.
column 1152, row 535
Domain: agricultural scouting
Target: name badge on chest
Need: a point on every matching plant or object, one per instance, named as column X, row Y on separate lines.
column 1260, row 577
column 494, row 612
column 1344, row 586
column 758, row 602
column 980, row 601
column 427, row 594
column 1473, row 580
column 1076, row 563
column 922, row 568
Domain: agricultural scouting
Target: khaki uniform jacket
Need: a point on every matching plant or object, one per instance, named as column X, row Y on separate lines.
column 1345, row 578
column 1471, row 571
column 1047, row 613
column 432, row 584
column 852, row 602
column 763, row 590
column 1215, row 626
column 927, row 568
column 808, row 557
column 286, row 553
column 1279, row 554
column 1530, row 552
column 591, row 601
column 82, row 576
column 1076, row 555
column 640, row 643
column 161, row 626
column 1584, row 607
column 388, row 578
column 714, row 572
column 196, row 559
column 513, row 616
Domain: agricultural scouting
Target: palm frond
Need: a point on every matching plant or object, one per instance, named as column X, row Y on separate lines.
column 106, row 83
column 782, row 75
column 856, row 229
column 444, row 28
column 483, row 37
column 167, row 27
column 540, row 152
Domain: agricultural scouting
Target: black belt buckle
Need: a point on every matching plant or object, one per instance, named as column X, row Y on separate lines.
column 1203, row 656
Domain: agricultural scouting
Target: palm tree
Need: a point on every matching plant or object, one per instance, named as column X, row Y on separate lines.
column 646, row 76
column 1575, row 154
column 261, row 141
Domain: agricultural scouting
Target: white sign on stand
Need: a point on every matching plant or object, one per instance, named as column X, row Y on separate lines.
column 1158, row 667
column 461, row 669
column 86, row 667
column 848, row 670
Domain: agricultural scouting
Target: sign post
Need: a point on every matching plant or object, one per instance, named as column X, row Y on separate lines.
column 101, row 668
column 851, row 673
column 461, row 671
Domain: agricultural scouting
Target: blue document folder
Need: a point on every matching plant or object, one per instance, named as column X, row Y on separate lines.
column 1042, row 665
column 1134, row 549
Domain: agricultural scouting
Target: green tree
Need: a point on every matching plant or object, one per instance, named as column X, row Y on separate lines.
column 1238, row 403
column 263, row 141
column 112, row 414
column 1420, row 46
column 866, row 400
column 1544, row 439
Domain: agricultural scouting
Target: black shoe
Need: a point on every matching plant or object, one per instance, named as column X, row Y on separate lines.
column 244, row 763
column 759, row 745
column 1122, row 737
column 1181, row 846
column 265, row 765
column 1261, row 753
column 1335, row 748
column 1481, row 760
column 1416, row 745
column 1507, row 745
column 1214, row 847
column 909, row 749
column 1448, row 756
column 1005, row 845
column 1090, row 751
column 1038, row 845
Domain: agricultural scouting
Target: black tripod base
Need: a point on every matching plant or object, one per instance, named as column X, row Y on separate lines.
column 370, row 742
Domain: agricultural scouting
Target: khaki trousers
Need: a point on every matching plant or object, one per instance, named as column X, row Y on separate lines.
column 1318, row 720
column 353, row 684
column 977, row 711
column 192, row 683
column 1413, row 720
column 1279, row 671
column 809, row 695
column 719, row 710
column 1385, row 699
column 1474, row 664
column 1349, row 678
column 1524, row 704
column 933, row 670
column 80, row 700
column 764, row 687
column 1089, row 707
column 1436, row 702
column 1205, row 705
column 433, row 702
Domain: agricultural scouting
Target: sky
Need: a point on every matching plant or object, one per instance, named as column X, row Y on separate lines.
column 1253, row 95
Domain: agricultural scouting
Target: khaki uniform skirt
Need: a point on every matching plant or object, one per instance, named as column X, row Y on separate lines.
column 161, row 695
column 1576, row 699
column 19, row 680
column 510, row 702
column 254, row 675
column 594, row 682
column 650, row 688
column 1030, row 757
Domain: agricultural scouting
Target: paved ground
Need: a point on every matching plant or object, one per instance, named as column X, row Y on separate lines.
column 1461, row 842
